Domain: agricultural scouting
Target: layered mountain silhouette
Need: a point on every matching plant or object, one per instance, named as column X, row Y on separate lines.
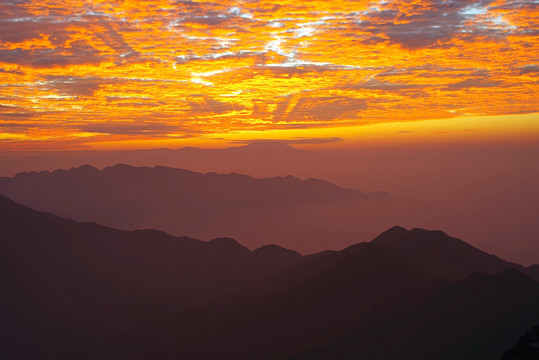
column 85, row 291
column 83, row 281
column 493, row 187
column 259, row 158
column 307, row 215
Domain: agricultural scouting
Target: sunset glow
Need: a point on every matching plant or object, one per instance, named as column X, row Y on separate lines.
column 136, row 74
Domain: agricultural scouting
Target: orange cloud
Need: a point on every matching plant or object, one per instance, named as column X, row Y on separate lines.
column 80, row 74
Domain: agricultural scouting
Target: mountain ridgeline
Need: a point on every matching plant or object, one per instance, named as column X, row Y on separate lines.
column 86, row 291
column 306, row 215
column 478, row 192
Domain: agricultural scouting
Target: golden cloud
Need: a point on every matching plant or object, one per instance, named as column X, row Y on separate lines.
column 123, row 69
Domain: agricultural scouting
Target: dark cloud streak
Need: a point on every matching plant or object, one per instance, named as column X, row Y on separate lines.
column 429, row 23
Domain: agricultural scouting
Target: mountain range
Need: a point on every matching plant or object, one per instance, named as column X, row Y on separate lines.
column 263, row 159
column 488, row 193
column 307, row 215
column 86, row 291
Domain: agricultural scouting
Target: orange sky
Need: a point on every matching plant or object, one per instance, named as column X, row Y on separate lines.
column 126, row 74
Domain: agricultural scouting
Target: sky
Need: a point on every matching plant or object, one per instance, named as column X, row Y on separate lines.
column 110, row 74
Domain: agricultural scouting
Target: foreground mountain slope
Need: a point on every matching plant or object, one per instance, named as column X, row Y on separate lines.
column 306, row 215
column 81, row 290
column 365, row 302
column 476, row 318
column 311, row 304
column 68, row 285
column 527, row 347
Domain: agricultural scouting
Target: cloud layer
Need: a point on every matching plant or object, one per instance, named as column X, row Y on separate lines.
column 111, row 70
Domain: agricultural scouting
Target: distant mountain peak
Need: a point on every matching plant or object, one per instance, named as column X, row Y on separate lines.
column 80, row 171
column 396, row 228
column 398, row 234
column 86, row 168
column 83, row 169
column 121, row 165
column 440, row 254
column 395, row 231
column 223, row 240
column 274, row 250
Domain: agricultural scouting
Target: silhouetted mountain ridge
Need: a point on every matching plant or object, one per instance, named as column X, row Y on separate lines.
column 291, row 212
column 366, row 302
column 85, row 291
column 441, row 255
column 135, row 254
column 275, row 250
column 480, row 189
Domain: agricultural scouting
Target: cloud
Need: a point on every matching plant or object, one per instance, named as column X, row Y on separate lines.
column 375, row 84
column 17, row 71
column 207, row 16
column 473, row 83
column 214, row 66
column 322, row 108
column 74, row 86
column 79, row 53
column 205, row 105
column 17, row 25
column 521, row 14
column 421, row 24
column 529, row 69
column 58, row 38
column 9, row 112
column 428, row 70
column 130, row 128
column 116, row 41
column 10, row 124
